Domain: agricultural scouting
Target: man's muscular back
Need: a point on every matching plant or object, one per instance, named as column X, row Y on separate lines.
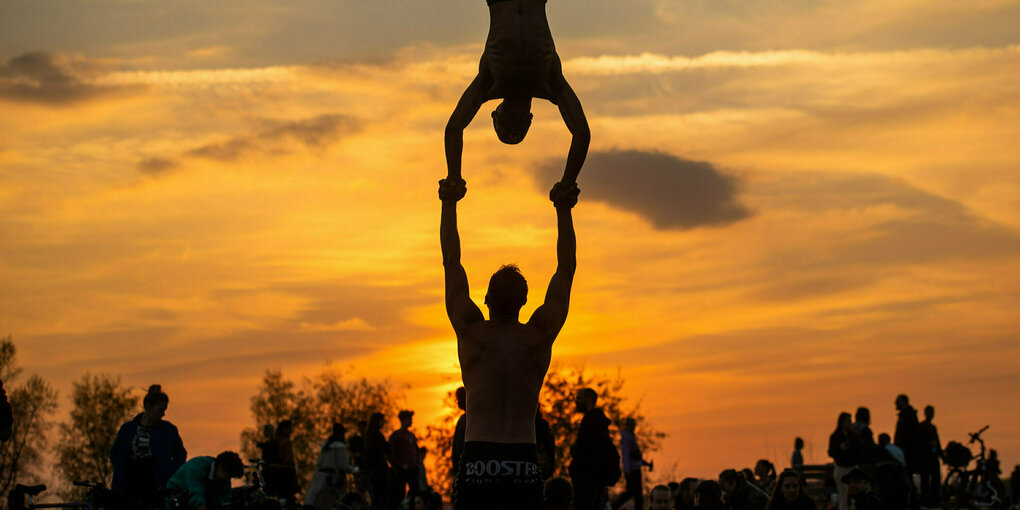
column 503, row 366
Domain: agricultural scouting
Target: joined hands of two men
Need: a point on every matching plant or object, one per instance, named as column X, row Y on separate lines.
column 562, row 195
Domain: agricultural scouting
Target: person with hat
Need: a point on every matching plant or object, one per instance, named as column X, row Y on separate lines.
column 858, row 482
column 708, row 496
column 403, row 460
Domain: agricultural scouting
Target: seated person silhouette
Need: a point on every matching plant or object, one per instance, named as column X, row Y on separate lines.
column 519, row 64
column 503, row 363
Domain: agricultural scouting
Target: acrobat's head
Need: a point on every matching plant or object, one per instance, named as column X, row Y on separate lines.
column 512, row 119
column 508, row 291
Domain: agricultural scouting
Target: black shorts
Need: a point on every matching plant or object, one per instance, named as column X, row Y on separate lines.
column 490, row 2
column 498, row 476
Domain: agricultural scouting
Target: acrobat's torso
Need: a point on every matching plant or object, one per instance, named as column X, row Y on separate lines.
column 520, row 55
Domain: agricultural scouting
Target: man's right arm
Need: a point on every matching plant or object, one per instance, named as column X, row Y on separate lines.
column 459, row 307
column 551, row 316
column 463, row 114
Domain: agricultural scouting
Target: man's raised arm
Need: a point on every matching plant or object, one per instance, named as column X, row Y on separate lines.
column 551, row 316
column 461, row 310
column 577, row 124
column 466, row 109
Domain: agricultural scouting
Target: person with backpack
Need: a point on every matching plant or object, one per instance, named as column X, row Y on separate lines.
column 595, row 462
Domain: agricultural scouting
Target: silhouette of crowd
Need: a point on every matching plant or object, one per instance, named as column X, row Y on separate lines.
column 366, row 470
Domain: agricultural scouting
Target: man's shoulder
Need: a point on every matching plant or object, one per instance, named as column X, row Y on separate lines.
column 195, row 466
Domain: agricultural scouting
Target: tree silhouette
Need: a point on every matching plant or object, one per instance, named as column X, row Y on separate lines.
column 100, row 404
column 33, row 404
column 313, row 408
column 556, row 402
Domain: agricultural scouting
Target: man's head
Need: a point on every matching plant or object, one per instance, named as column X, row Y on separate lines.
column 929, row 413
column 585, row 400
column 461, row 398
column 228, row 465
column 405, row 417
column 508, row 291
column 729, row 480
column 662, row 498
column 685, row 490
column 376, row 421
column 858, row 481
column 284, row 428
column 902, row 401
column 557, row 493
column 798, row 444
column 511, row 119
column 708, row 492
column 630, row 424
column 354, row 500
column 339, row 431
column 863, row 415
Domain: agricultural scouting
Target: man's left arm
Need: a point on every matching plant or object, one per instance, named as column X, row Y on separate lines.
column 577, row 124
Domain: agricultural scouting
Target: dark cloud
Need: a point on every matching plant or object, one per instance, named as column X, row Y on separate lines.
column 156, row 166
column 669, row 192
column 893, row 226
column 52, row 79
column 922, row 226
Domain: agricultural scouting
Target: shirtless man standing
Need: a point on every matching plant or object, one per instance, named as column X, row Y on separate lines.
column 503, row 362
column 519, row 63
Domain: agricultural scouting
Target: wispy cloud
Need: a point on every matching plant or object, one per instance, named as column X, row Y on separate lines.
column 352, row 324
column 658, row 63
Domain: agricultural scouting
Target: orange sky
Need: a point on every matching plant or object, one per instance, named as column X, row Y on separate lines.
column 789, row 210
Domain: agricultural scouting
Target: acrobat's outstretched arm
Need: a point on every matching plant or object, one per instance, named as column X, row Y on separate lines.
column 573, row 117
column 467, row 107
column 551, row 316
column 459, row 307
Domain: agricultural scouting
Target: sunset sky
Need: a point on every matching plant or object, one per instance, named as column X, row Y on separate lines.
column 790, row 208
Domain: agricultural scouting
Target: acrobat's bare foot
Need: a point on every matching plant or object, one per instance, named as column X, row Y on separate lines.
column 564, row 195
column 452, row 189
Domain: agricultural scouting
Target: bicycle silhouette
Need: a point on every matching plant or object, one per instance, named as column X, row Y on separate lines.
column 97, row 498
column 964, row 488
